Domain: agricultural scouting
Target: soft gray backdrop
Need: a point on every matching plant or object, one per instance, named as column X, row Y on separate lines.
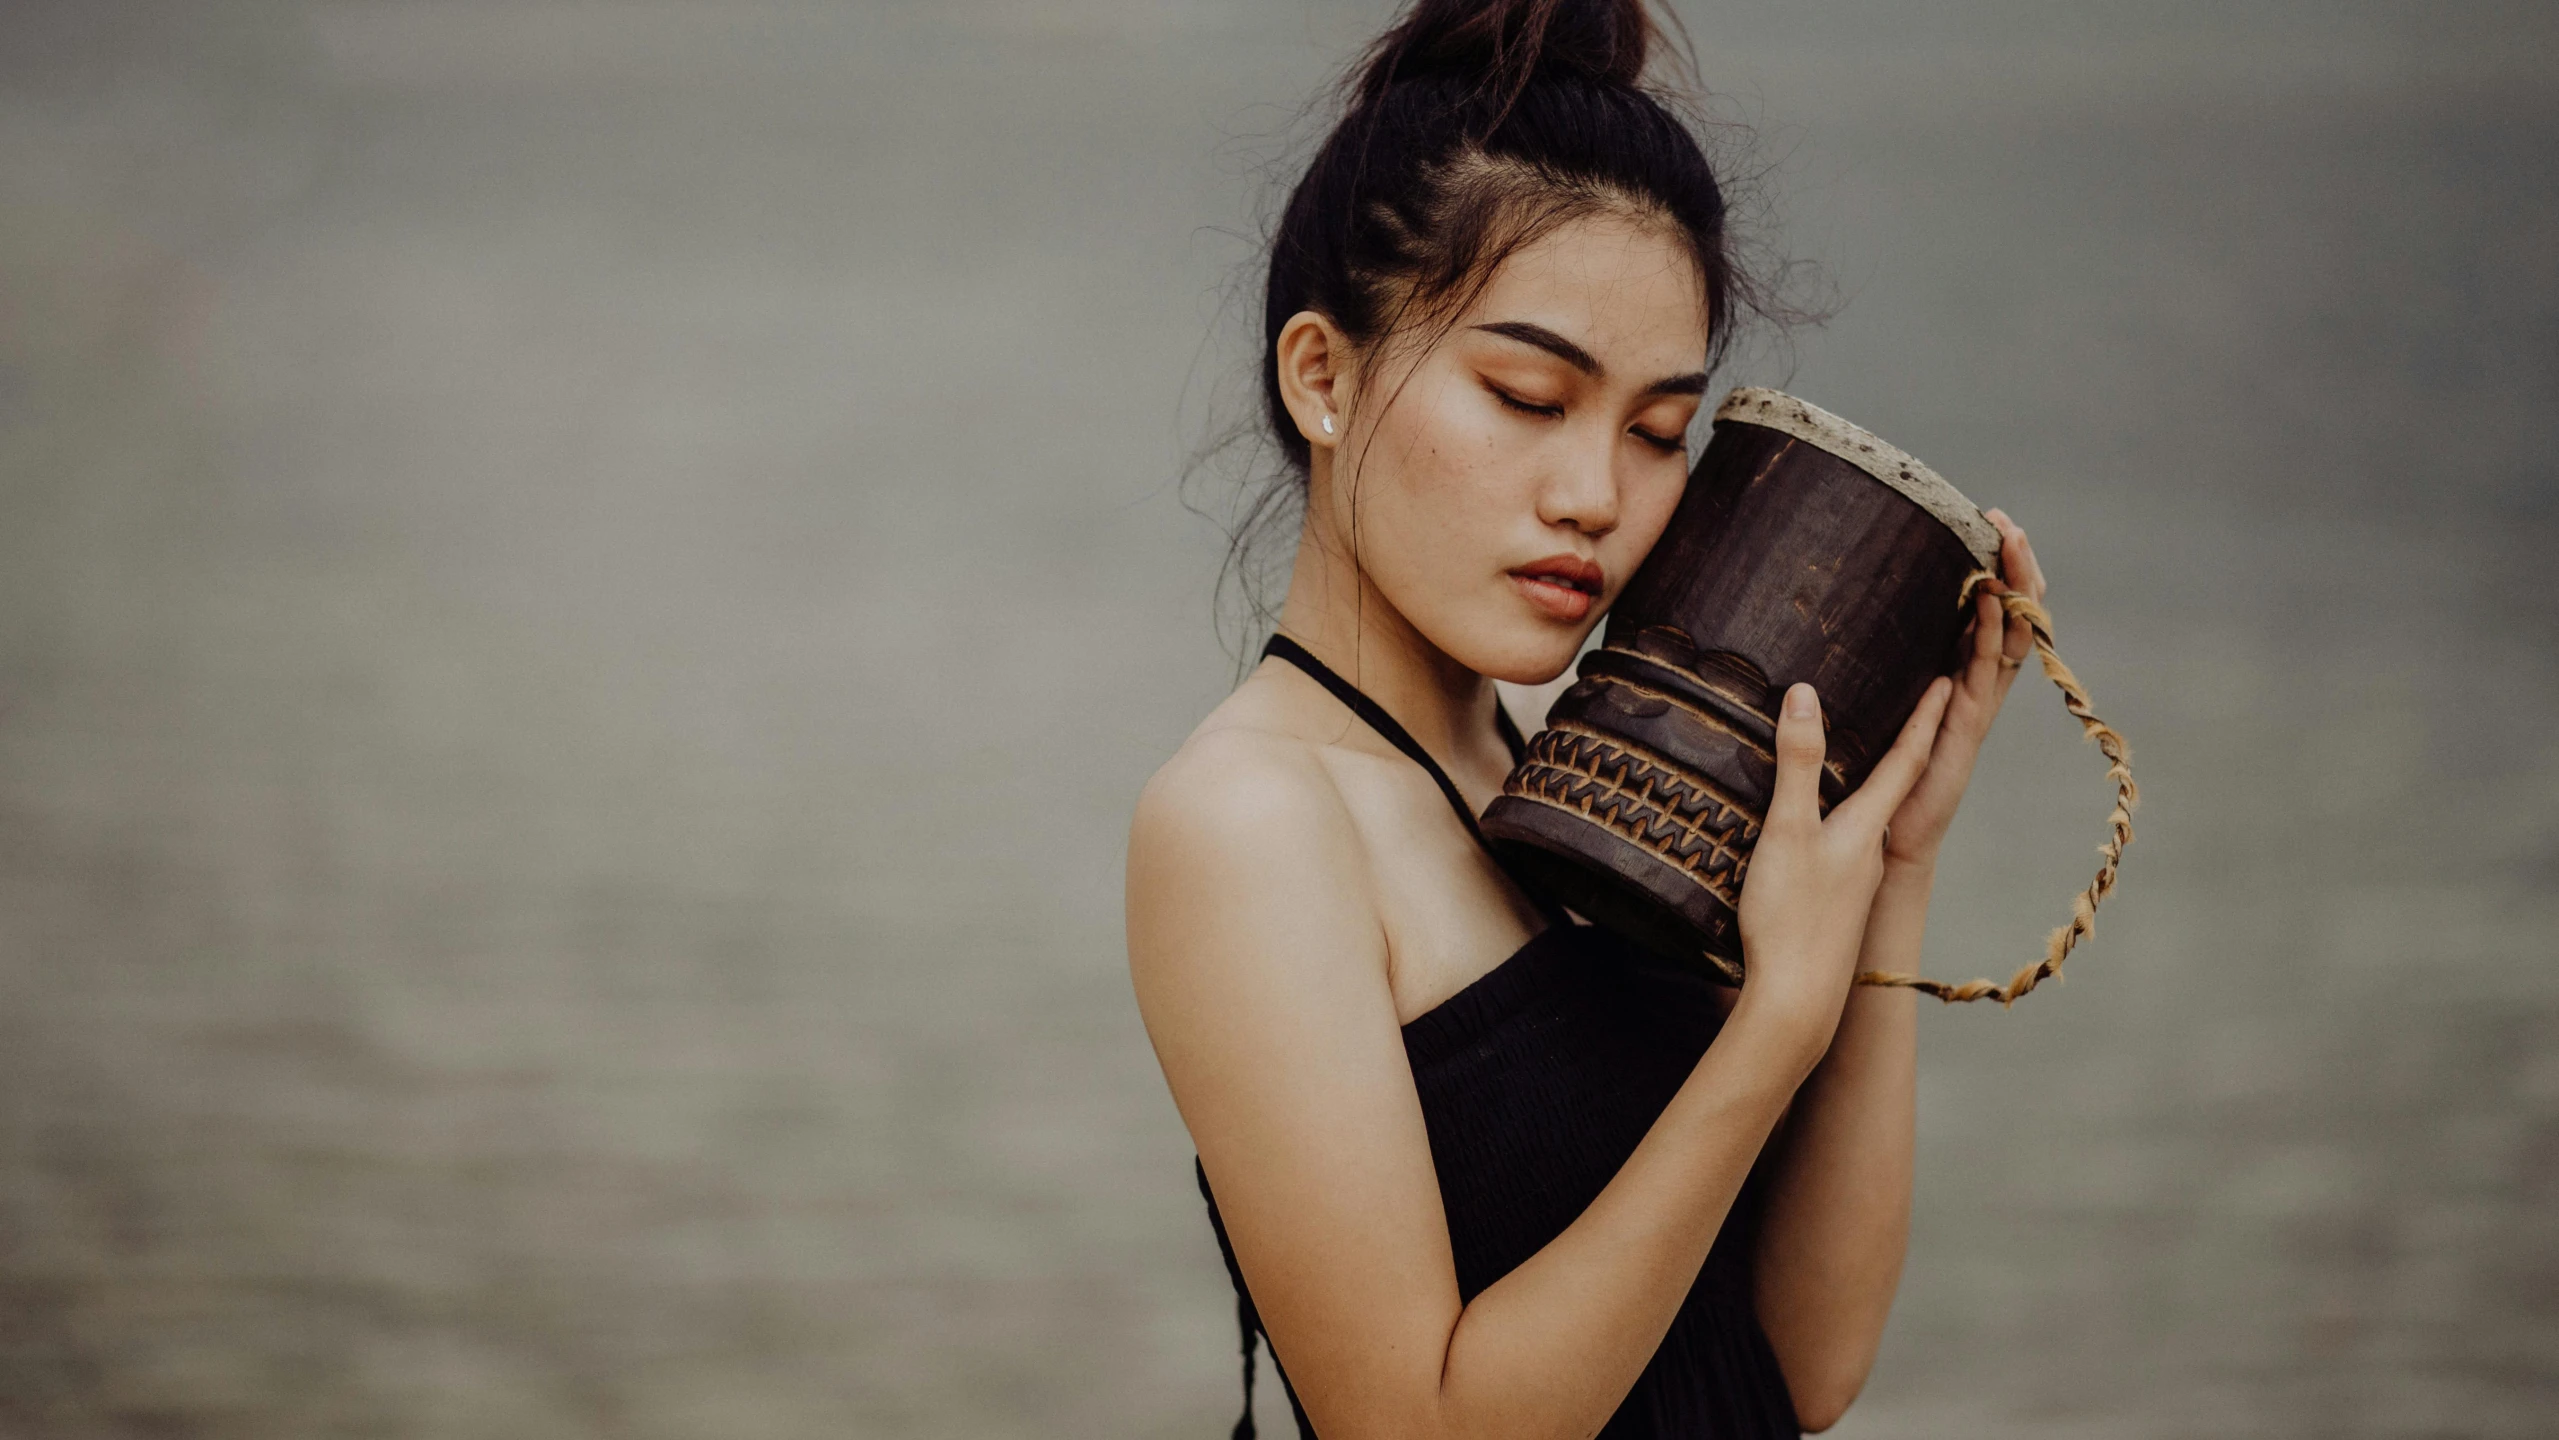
column 585, row 589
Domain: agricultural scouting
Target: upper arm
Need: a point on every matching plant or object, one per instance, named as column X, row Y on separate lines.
column 1260, row 969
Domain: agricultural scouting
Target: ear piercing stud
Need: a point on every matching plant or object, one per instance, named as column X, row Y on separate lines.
column 1328, row 424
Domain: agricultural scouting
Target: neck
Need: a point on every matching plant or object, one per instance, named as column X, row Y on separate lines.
column 1336, row 613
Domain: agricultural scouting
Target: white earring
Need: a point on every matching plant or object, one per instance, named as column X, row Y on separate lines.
column 1328, row 424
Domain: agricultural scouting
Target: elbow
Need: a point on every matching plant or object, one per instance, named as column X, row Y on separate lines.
column 1823, row 1377
column 1815, row 1421
column 1820, row 1406
column 1823, row 1390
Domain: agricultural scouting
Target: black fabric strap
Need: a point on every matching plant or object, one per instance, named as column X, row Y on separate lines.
column 1381, row 722
column 1247, row 1324
column 1281, row 647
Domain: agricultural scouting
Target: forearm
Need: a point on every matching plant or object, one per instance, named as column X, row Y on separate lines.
column 1838, row 1219
column 1552, row 1348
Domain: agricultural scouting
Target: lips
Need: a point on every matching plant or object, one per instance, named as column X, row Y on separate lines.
column 1564, row 586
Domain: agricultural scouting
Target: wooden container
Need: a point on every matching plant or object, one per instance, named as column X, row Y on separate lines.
column 1805, row 549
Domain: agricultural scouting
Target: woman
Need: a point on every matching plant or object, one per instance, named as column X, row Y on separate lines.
column 1480, row 1169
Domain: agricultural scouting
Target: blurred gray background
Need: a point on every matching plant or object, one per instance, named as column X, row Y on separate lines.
column 585, row 590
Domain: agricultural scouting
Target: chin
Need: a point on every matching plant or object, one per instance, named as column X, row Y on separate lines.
column 1532, row 657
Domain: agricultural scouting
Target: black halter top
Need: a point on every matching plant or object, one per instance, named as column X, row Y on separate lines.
column 1536, row 1082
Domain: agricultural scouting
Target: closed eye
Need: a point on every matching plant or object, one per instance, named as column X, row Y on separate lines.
column 1667, row 444
column 1513, row 402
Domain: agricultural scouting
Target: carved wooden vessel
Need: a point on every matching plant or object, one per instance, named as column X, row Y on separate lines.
column 1805, row 549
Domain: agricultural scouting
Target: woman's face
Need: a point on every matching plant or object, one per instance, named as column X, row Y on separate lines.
column 1507, row 481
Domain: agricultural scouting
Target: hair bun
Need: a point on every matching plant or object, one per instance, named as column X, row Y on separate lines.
column 1503, row 44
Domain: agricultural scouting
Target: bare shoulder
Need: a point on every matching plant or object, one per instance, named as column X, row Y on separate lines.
column 1247, row 878
column 1236, row 778
column 1243, row 805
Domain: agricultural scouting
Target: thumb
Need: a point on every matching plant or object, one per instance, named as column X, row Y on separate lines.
column 1800, row 748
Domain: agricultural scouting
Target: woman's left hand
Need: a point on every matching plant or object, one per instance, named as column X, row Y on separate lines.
column 1998, row 651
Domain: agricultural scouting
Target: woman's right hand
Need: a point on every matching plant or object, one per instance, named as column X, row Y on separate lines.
column 1811, row 879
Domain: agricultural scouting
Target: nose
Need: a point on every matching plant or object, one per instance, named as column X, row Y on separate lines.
column 1581, row 490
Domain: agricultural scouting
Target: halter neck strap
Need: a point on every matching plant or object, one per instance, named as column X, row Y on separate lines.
column 1283, row 648
column 1378, row 720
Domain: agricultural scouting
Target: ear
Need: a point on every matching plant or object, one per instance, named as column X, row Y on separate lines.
column 1315, row 378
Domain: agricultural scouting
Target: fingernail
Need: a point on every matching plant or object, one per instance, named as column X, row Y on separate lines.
column 1801, row 703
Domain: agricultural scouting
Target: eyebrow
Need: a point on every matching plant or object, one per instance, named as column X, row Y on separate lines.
column 1692, row 383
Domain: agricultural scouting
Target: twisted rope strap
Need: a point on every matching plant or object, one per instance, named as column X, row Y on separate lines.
column 2083, row 906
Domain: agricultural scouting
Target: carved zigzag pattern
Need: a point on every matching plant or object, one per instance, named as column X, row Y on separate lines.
column 1687, row 822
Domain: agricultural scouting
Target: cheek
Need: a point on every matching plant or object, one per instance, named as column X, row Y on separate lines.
column 1443, row 462
column 1647, row 512
column 1440, row 435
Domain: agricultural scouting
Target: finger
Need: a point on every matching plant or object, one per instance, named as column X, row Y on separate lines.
column 2017, row 560
column 2017, row 563
column 1986, row 640
column 2012, row 558
column 1796, row 800
column 2016, row 641
column 2006, row 675
column 1990, row 633
column 2029, row 567
column 1894, row 775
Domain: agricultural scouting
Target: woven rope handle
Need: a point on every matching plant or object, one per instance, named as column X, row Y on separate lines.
column 2119, row 830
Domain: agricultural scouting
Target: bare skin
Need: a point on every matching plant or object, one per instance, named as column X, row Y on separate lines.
column 1298, row 890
